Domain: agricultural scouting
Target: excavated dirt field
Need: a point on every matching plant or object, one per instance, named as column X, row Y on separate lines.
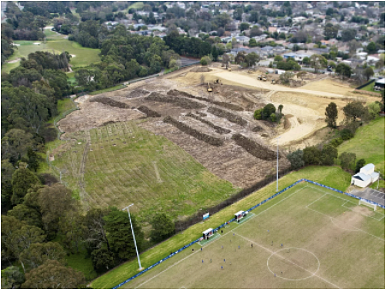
column 204, row 123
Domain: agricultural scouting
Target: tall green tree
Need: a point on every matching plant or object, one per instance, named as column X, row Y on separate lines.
column 22, row 180
column 296, row 159
column 162, row 227
column 120, row 235
column 360, row 163
column 26, row 214
column 354, row 110
column 11, row 278
column 331, row 114
column 347, row 160
column 53, row 275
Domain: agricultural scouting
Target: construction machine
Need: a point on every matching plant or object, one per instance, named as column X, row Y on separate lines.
column 259, row 77
column 264, row 78
column 209, row 88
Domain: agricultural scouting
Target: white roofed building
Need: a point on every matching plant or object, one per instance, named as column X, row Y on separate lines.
column 365, row 177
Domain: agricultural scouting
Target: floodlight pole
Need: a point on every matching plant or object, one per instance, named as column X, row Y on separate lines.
column 277, row 166
column 132, row 230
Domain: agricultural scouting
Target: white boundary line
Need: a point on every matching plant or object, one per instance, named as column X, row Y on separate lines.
column 216, row 239
column 274, row 253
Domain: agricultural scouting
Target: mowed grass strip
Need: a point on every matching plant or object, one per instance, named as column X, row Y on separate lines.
column 333, row 176
column 300, row 219
column 369, row 144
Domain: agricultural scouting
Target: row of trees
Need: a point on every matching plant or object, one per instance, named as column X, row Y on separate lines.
column 269, row 112
column 47, row 223
column 355, row 114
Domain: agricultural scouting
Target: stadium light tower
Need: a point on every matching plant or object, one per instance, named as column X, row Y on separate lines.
column 132, row 230
column 277, row 166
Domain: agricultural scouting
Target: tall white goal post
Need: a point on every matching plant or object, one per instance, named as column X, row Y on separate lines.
column 371, row 205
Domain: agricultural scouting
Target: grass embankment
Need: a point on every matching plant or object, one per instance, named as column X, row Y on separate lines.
column 332, row 176
column 107, row 89
column 55, row 43
column 370, row 88
column 369, row 144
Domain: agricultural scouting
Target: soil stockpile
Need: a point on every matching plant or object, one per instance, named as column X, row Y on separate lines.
column 257, row 129
column 110, row 102
column 181, row 102
column 225, row 114
column 138, row 93
column 200, row 70
column 193, row 132
column 148, row 111
column 218, row 129
column 254, row 148
column 177, row 93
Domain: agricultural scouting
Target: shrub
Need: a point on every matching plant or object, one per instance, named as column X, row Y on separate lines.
column 203, row 61
column 258, row 114
column 296, row 159
column 346, row 134
column 347, row 160
column 311, row 155
column 272, row 117
column 328, row 154
column 336, row 142
column 359, row 165
column 268, row 110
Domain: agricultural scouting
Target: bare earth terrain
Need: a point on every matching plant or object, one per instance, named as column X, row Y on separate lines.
column 205, row 124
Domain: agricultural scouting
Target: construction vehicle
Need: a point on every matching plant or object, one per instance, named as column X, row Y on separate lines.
column 264, row 78
column 209, row 88
column 218, row 81
column 273, row 81
column 259, row 77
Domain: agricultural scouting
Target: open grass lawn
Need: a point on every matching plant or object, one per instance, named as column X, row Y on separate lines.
column 137, row 5
column 55, row 43
column 323, row 235
column 126, row 164
column 369, row 144
column 332, row 176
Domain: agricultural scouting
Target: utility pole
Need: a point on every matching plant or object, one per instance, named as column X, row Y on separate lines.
column 277, row 166
column 132, row 230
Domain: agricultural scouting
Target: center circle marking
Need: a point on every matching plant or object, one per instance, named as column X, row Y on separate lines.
column 312, row 274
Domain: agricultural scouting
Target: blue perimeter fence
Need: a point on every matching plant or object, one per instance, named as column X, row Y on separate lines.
column 233, row 219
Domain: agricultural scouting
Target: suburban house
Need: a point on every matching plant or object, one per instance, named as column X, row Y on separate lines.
column 365, row 177
column 380, row 83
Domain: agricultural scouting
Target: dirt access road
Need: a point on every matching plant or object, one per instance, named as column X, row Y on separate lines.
column 246, row 80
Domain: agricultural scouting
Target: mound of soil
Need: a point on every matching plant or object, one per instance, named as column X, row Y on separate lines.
column 148, row 111
column 225, row 114
column 257, row 129
column 193, row 132
column 254, row 148
column 177, row 93
column 110, row 102
column 202, row 114
column 201, row 70
column 182, row 102
column 138, row 93
column 218, row 129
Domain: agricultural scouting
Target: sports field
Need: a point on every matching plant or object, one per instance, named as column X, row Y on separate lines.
column 328, row 242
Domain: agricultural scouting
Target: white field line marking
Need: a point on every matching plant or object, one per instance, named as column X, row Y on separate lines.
column 356, row 229
column 372, row 217
column 216, row 240
column 316, row 200
column 346, row 207
column 174, row 265
column 273, row 253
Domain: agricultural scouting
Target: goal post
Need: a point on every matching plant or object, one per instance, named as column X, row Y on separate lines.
column 371, row 205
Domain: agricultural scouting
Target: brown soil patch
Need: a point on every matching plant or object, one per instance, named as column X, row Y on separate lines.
column 254, row 148
column 194, row 132
column 230, row 162
column 200, row 70
column 351, row 220
column 328, row 85
column 230, row 116
column 218, row 129
column 148, row 112
column 138, row 93
column 182, row 102
column 110, row 102
column 95, row 114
